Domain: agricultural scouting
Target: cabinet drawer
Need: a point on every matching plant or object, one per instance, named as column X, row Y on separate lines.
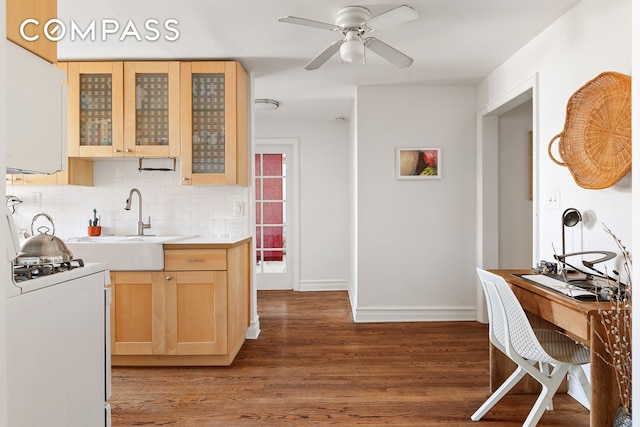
column 195, row 259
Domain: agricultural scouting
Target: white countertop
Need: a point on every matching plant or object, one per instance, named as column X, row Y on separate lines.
column 206, row 242
column 230, row 240
column 158, row 239
column 140, row 253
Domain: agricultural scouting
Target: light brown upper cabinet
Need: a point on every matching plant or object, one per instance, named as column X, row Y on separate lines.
column 124, row 109
column 214, row 123
column 95, row 109
column 78, row 172
column 151, row 109
column 40, row 11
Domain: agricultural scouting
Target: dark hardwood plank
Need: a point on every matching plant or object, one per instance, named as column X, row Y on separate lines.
column 312, row 365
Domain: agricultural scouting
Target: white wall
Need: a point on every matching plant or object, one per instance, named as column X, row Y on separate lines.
column 175, row 209
column 353, row 207
column 324, row 197
column 415, row 237
column 591, row 38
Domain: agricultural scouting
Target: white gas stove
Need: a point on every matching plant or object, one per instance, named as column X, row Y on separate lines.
column 29, row 278
column 58, row 342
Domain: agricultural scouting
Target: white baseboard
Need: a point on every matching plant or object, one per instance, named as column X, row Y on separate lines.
column 324, row 285
column 385, row 314
column 273, row 288
column 414, row 314
column 253, row 331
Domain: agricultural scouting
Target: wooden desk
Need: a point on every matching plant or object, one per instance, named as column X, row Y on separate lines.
column 545, row 307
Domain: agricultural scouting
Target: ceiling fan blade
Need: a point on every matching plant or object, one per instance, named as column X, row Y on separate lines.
column 398, row 15
column 389, row 53
column 324, row 56
column 308, row 23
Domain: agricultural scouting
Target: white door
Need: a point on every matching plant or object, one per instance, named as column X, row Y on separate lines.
column 275, row 212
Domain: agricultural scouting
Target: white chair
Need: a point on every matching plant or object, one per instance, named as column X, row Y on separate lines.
column 511, row 332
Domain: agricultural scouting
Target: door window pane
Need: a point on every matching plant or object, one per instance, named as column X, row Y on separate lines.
column 272, row 165
column 272, row 189
column 272, row 213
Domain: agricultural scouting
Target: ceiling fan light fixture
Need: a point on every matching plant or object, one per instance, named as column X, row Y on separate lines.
column 354, row 23
column 352, row 50
column 352, row 16
column 264, row 104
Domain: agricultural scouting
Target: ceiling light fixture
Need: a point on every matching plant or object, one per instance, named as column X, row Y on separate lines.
column 352, row 50
column 266, row 104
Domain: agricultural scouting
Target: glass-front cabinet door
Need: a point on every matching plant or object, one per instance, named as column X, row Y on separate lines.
column 95, row 109
column 152, row 109
column 214, row 123
column 121, row 109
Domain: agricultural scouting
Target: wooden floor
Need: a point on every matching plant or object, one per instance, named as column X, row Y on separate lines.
column 313, row 366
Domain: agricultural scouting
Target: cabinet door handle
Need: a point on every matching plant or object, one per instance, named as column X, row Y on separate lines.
column 116, row 150
column 185, row 178
column 194, row 260
column 169, row 277
column 128, row 150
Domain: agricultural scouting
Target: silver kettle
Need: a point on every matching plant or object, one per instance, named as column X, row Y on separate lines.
column 43, row 248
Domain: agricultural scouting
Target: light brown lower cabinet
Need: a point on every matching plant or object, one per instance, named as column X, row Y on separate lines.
column 195, row 312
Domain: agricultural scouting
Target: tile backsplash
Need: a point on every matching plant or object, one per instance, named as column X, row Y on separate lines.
column 175, row 209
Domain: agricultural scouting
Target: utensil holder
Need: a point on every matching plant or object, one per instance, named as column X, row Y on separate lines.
column 94, row 230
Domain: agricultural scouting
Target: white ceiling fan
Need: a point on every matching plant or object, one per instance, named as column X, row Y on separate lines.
column 354, row 22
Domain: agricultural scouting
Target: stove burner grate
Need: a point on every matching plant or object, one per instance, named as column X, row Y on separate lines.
column 28, row 272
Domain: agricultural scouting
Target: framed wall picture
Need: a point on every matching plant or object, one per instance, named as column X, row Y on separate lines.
column 418, row 163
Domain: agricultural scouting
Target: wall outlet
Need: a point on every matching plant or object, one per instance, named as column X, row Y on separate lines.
column 238, row 209
column 34, row 198
column 552, row 199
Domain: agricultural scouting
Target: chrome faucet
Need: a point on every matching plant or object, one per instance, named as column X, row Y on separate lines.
column 127, row 206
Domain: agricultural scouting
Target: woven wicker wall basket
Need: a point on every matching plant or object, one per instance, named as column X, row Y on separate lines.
column 595, row 144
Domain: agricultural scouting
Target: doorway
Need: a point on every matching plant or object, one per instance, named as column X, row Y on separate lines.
column 276, row 214
column 493, row 209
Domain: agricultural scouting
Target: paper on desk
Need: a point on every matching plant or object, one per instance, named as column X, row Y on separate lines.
column 557, row 285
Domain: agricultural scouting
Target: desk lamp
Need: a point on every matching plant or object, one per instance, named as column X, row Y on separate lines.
column 570, row 218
